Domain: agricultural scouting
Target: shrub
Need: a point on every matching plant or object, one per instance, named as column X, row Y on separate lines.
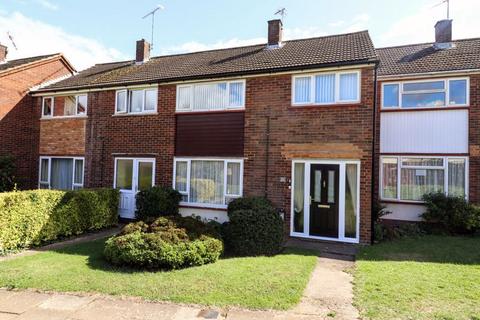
column 254, row 227
column 168, row 243
column 452, row 214
column 37, row 216
column 156, row 202
column 7, row 169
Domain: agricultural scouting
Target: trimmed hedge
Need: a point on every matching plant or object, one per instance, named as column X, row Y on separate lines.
column 157, row 201
column 168, row 243
column 36, row 216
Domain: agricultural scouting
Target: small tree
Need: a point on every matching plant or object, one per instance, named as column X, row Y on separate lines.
column 7, row 169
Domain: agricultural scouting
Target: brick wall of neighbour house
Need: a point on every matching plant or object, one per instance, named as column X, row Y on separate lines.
column 320, row 132
column 19, row 125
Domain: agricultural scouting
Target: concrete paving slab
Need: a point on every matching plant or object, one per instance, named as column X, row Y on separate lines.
column 43, row 314
column 8, row 316
column 20, row 301
column 65, row 302
column 187, row 313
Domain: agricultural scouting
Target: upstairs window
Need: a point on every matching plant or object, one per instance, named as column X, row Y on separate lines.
column 326, row 88
column 211, row 96
column 65, row 106
column 136, row 101
column 425, row 94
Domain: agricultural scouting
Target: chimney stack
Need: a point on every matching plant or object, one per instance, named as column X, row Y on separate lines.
column 275, row 31
column 143, row 51
column 3, row 53
column 443, row 34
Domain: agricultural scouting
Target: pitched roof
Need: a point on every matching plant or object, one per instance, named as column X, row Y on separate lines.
column 25, row 61
column 342, row 49
column 424, row 58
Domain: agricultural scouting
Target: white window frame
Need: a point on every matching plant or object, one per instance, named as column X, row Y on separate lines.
column 446, row 82
column 225, row 195
column 337, row 88
column 135, row 161
column 192, row 96
column 399, row 158
column 52, row 107
column 49, row 159
column 128, row 106
column 76, row 115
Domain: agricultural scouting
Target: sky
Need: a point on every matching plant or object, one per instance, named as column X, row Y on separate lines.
column 97, row 31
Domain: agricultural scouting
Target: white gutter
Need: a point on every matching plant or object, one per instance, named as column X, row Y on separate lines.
column 429, row 74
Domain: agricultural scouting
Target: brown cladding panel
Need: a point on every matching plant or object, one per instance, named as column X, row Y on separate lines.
column 210, row 134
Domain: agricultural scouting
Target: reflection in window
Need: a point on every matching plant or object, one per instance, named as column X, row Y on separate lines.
column 124, row 174
column 331, row 186
column 298, row 196
column 351, row 198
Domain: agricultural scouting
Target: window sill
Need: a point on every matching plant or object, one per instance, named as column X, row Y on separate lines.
column 219, row 207
column 319, row 106
column 63, row 118
column 397, row 109
column 209, row 111
column 135, row 114
column 412, row 202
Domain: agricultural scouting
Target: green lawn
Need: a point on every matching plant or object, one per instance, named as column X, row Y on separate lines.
column 430, row 277
column 257, row 283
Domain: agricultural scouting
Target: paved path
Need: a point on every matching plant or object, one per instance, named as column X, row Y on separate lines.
column 327, row 296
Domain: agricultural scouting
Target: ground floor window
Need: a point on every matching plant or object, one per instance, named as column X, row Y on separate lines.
column 208, row 182
column 409, row 178
column 61, row 173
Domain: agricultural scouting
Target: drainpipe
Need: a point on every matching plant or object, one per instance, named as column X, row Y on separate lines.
column 267, row 155
column 374, row 155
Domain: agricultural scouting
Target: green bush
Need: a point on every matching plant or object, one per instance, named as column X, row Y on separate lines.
column 7, row 169
column 254, row 228
column 453, row 214
column 33, row 217
column 156, row 202
column 168, row 243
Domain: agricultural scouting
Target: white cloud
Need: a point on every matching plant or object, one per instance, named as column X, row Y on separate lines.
column 47, row 4
column 193, row 46
column 34, row 37
column 359, row 22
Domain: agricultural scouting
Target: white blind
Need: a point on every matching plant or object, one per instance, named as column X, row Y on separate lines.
column 325, row 88
column 348, row 86
column 302, row 89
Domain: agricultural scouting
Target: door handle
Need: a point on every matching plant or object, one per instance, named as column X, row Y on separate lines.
column 324, row 206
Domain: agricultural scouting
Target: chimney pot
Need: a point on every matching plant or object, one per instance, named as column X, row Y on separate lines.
column 275, row 31
column 143, row 51
column 3, row 53
column 443, row 31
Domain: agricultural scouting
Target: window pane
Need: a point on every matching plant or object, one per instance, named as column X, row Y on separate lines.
column 389, row 178
column 317, row 190
column 124, row 174
column 210, row 96
column 145, row 175
column 456, row 177
column 351, row 196
column 62, row 174
column 181, row 176
column 206, row 182
column 70, row 105
column 390, row 95
column 233, row 178
column 43, row 185
column 419, row 100
column 121, row 98
column 349, row 87
column 430, row 162
column 47, row 106
column 331, row 186
column 417, row 182
column 302, row 90
column 420, row 86
column 44, row 170
column 458, row 92
column 78, row 172
column 136, row 100
column 82, row 105
column 150, row 100
column 236, row 94
column 184, row 95
column 298, row 196
column 325, row 88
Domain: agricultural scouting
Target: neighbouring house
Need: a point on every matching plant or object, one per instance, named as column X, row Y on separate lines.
column 18, row 120
column 428, row 120
column 289, row 120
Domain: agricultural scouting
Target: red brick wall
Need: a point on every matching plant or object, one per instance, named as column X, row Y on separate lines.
column 19, row 120
column 62, row 137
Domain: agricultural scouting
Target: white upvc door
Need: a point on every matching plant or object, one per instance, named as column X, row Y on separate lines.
column 131, row 176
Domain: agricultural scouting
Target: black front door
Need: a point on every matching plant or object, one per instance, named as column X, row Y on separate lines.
column 324, row 180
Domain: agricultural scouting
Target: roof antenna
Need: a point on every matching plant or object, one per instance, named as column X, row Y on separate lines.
column 448, row 7
column 11, row 40
column 281, row 12
column 152, row 13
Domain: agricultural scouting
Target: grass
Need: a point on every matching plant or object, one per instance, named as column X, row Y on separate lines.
column 255, row 282
column 431, row 277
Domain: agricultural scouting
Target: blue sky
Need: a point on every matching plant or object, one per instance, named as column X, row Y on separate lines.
column 109, row 31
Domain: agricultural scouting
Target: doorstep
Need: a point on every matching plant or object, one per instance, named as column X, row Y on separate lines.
column 328, row 249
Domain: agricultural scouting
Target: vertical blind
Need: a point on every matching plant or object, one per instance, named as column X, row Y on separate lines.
column 211, row 96
column 325, row 88
column 206, row 182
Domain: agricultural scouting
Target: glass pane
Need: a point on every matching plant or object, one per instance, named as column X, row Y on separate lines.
column 233, row 178
column 349, row 87
column 389, row 178
column 78, row 172
column 145, row 175
column 331, row 186
column 82, row 105
column 151, row 100
column 317, row 191
column 70, row 105
column 136, row 100
column 298, row 196
column 351, row 197
column 43, row 185
column 417, row 182
column 184, row 95
column 181, row 176
column 206, row 182
column 236, row 94
column 325, row 88
column 421, row 86
column 458, row 92
column 124, row 174
column 456, row 177
column 422, row 100
column 210, row 96
column 427, row 162
column 302, row 90
column 121, row 98
column 390, row 95
column 62, row 174
column 44, row 170
column 47, row 106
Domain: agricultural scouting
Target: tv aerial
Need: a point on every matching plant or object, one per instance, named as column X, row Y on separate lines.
column 282, row 12
column 152, row 13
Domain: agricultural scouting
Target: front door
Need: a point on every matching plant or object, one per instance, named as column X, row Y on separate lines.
column 324, row 197
column 131, row 176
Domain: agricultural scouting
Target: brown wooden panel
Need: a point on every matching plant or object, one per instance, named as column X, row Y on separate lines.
column 210, row 134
